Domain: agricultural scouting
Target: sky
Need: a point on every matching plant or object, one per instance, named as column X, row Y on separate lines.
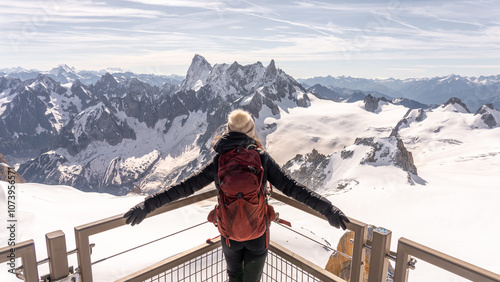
column 371, row 39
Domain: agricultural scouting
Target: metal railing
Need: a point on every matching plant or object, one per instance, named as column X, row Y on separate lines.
column 83, row 232
column 202, row 263
column 26, row 251
column 408, row 248
column 205, row 262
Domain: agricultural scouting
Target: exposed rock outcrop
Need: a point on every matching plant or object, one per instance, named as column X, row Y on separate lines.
column 487, row 116
column 455, row 101
column 416, row 115
column 308, row 169
column 372, row 103
column 383, row 151
column 5, row 167
column 341, row 265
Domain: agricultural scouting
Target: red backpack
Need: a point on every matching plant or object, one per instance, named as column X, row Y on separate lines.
column 242, row 212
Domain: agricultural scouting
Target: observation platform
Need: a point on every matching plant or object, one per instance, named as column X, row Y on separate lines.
column 206, row 262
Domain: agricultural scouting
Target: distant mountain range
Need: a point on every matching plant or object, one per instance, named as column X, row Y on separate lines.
column 122, row 131
column 473, row 91
column 66, row 74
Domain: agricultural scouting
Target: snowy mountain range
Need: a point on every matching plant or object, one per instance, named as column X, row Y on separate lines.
column 429, row 174
column 66, row 74
column 473, row 91
column 119, row 133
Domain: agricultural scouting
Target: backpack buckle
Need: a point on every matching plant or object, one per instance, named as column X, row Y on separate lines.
column 240, row 195
column 253, row 169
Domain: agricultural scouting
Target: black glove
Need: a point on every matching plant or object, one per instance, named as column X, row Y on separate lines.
column 137, row 214
column 336, row 217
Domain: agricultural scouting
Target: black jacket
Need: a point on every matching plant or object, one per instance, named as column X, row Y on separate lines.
column 272, row 173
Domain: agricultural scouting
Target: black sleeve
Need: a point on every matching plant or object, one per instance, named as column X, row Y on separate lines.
column 183, row 189
column 291, row 188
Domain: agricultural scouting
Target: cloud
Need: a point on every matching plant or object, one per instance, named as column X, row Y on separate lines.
column 142, row 32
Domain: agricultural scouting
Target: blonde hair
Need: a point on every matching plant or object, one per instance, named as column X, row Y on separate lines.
column 241, row 121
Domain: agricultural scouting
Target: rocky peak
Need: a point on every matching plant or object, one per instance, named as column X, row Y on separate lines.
column 108, row 80
column 372, row 103
column 489, row 115
column 416, row 115
column 388, row 150
column 197, row 74
column 454, row 101
column 308, row 169
column 42, row 85
column 62, row 69
column 96, row 123
column 484, row 109
column 6, row 83
column 4, row 171
column 271, row 71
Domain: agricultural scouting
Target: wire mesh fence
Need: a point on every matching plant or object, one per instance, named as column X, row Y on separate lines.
column 279, row 269
column 211, row 267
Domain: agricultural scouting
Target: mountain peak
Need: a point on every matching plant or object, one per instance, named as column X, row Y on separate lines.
column 487, row 115
column 61, row 69
column 197, row 74
column 454, row 101
column 271, row 71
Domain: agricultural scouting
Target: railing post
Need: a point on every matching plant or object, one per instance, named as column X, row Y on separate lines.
column 30, row 265
column 379, row 263
column 26, row 251
column 84, row 263
column 358, row 253
column 56, row 250
column 403, row 258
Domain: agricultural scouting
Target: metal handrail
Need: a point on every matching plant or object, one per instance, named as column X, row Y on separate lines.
column 359, row 228
column 186, row 256
column 26, row 251
column 171, row 262
column 408, row 248
column 83, row 232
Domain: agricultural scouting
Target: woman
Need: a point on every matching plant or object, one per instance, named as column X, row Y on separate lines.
column 245, row 259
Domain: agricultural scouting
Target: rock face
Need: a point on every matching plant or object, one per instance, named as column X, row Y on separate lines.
column 487, row 113
column 383, row 151
column 453, row 101
column 338, row 171
column 96, row 123
column 309, row 169
column 372, row 103
column 4, row 172
column 416, row 115
column 341, row 265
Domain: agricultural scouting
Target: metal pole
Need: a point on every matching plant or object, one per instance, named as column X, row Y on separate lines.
column 403, row 258
column 358, row 251
column 56, row 250
column 82, row 244
column 379, row 262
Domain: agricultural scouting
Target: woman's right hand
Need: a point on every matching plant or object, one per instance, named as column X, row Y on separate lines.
column 136, row 214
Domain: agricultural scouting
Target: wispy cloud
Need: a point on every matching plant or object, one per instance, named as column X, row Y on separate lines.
column 307, row 36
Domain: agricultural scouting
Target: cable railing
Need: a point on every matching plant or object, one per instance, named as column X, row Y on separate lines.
column 206, row 262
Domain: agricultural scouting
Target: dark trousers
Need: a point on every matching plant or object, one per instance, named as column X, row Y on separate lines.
column 245, row 260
